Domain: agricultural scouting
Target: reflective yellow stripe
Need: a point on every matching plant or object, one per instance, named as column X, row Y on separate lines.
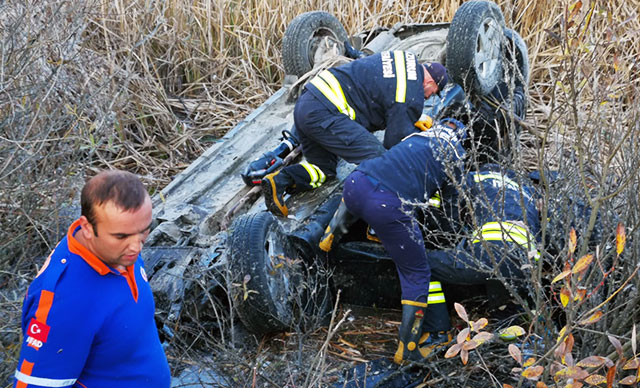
column 321, row 177
column 436, row 298
column 337, row 89
column 506, row 231
column 401, row 76
column 478, row 177
column 316, row 176
column 504, row 225
column 313, row 175
column 435, row 286
column 508, row 226
column 414, row 303
column 498, row 236
column 436, row 200
column 328, row 93
column 331, row 89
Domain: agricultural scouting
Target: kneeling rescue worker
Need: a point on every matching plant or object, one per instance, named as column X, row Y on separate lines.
column 341, row 107
column 383, row 192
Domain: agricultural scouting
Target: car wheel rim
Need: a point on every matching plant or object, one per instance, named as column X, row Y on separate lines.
column 488, row 54
column 316, row 39
column 277, row 265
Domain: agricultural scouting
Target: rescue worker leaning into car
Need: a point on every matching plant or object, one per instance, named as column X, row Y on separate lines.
column 502, row 229
column 341, row 107
column 383, row 192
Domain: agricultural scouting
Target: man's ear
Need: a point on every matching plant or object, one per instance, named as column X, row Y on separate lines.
column 86, row 228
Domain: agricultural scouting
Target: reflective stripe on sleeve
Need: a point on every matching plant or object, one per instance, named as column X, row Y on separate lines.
column 499, row 236
column 479, row 177
column 42, row 381
column 401, row 76
column 329, row 86
column 435, row 201
column 509, row 232
column 495, row 231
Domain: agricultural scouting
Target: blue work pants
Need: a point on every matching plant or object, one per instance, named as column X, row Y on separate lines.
column 397, row 229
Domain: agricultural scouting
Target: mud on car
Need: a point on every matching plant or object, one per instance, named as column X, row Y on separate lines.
column 208, row 221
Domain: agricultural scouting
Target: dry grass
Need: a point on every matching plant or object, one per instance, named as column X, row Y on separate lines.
column 148, row 85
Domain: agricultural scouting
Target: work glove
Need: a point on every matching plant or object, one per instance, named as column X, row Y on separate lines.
column 424, row 123
column 352, row 52
column 256, row 170
column 269, row 161
column 338, row 226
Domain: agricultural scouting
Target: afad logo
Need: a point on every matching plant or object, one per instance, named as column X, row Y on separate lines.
column 37, row 333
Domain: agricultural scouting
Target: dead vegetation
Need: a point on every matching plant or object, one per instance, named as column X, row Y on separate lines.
column 147, row 86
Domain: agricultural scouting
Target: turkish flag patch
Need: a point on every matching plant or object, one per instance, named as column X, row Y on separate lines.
column 38, row 330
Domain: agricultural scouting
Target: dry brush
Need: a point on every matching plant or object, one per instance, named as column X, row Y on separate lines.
column 147, row 85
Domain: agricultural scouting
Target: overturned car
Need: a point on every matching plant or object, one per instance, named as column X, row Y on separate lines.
column 208, row 221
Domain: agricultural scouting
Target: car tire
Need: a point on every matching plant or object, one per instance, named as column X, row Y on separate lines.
column 302, row 37
column 261, row 258
column 514, row 44
column 474, row 46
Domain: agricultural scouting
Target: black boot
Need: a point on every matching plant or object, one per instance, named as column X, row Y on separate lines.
column 410, row 332
column 290, row 179
column 436, row 328
column 425, row 328
column 434, row 341
column 274, row 186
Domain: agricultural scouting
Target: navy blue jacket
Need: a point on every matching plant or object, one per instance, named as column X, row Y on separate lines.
column 416, row 167
column 383, row 96
column 497, row 196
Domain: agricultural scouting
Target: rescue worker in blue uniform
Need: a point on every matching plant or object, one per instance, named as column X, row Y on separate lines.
column 341, row 107
column 502, row 231
column 384, row 192
column 88, row 316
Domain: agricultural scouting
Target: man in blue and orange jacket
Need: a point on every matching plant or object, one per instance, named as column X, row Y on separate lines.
column 341, row 107
column 88, row 316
